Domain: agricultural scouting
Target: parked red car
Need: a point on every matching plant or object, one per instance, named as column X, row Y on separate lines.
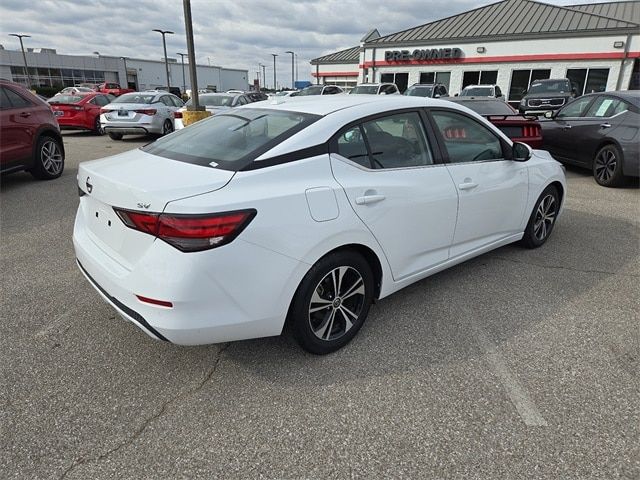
column 113, row 89
column 518, row 127
column 29, row 134
column 80, row 110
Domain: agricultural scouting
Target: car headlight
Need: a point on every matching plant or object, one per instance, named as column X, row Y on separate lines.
column 523, row 102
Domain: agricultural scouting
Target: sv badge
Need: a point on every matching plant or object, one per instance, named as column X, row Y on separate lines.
column 143, row 205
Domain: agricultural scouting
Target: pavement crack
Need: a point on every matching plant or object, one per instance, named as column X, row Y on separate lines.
column 159, row 413
column 569, row 269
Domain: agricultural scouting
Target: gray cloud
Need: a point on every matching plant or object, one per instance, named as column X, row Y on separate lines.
column 235, row 34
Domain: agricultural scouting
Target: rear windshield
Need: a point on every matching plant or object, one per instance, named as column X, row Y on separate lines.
column 559, row 86
column 135, row 98
column 310, row 91
column 419, row 91
column 230, row 141
column 477, row 92
column 497, row 107
column 65, row 99
column 213, row 100
column 364, row 89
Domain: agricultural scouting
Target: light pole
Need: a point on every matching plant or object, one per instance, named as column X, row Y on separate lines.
column 274, row 55
column 126, row 74
column 24, row 57
column 293, row 80
column 191, row 50
column 164, row 45
column 264, row 76
column 296, row 67
column 184, row 81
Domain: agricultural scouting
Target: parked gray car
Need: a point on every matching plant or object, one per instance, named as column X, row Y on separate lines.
column 598, row 131
column 140, row 113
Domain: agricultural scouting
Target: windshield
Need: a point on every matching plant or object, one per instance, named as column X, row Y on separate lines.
column 135, row 98
column 364, row 89
column 419, row 91
column 230, row 141
column 560, row 86
column 310, row 91
column 65, row 99
column 213, row 100
column 489, row 107
column 477, row 92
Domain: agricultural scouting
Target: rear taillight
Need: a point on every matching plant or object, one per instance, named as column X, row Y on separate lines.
column 177, row 114
column 189, row 233
column 146, row 111
column 104, row 110
column 531, row 131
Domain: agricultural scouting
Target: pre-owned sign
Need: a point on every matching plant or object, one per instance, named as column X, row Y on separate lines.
column 422, row 54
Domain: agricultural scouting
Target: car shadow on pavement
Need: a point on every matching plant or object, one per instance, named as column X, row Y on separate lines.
column 507, row 292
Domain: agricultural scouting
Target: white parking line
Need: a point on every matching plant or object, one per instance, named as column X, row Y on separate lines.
column 518, row 395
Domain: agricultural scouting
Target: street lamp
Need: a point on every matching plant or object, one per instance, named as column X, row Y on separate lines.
column 164, row 45
column 126, row 74
column 184, row 81
column 24, row 57
column 264, row 77
column 274, row 55
column 293, row 80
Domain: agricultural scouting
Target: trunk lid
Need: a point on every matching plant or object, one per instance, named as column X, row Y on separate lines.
column 136, row 180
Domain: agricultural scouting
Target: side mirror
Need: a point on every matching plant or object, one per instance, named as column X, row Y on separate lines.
column 521, row 152
column 549, row 114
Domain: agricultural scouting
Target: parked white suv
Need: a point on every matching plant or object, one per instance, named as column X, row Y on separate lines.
column 491, row 91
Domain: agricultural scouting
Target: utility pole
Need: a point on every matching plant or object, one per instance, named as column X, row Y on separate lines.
column 184, row 81
column 293, row 77
column 264, row 76
column 164, row 45
column 274, row 55
column 24, row 57
column 126, row 74
column 191, row 49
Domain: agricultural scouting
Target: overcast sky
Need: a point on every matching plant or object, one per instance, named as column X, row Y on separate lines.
column 231, row 33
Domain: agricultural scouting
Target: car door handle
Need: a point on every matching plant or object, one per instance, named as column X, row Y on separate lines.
column 368, row 199
column 605, row 125
column 467, row 185
column 566, row 127
column 25, row 114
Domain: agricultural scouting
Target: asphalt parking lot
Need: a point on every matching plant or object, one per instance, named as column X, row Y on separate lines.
column 517, row 364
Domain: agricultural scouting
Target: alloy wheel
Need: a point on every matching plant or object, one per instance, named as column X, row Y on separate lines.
column 167, row 128
column 98, row 126
column 605, row 166
column 336, row 303
column 51, row 157
column 545, row 216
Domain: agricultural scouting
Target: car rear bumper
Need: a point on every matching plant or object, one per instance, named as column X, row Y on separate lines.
column 127, row 130
column 216, row 295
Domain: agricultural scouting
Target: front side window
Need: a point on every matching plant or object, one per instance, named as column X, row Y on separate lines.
column 397, row 141
column 605, row 107
column 230, row 141
column 16, row 100
column 465, row 139
column 575, row 108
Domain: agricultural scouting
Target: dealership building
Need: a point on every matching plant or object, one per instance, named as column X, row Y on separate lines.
column 509, row 43
column 47, row 68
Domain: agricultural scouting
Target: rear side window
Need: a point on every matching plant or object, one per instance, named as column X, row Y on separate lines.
column 465, row 139
column 605, row 107
column 230, row 141
column 16, row 100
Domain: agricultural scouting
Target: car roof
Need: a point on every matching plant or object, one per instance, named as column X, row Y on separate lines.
column 220, row 94
column 481, row 85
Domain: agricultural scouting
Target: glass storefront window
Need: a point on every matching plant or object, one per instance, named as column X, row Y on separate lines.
column 521, row 79
column 588, row 80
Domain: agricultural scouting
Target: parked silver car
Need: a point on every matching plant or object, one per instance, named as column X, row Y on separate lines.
column 214, row 103
column 375, row 89
column 140, row 113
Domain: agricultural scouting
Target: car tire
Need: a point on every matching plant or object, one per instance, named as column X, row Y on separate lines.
column 607, row 166
column 115, row 136
column 49, row 158
column 542, row 219
column 167, row 127
column 322, row 321
column 97, row 126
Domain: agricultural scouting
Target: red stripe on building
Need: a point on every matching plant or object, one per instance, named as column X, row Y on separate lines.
column 510, row 58
column 334, row 74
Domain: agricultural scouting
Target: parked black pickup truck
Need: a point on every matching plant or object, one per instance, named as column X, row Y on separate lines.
column 547, row 95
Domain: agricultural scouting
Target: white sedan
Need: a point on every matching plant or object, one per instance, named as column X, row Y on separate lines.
column 303, row 212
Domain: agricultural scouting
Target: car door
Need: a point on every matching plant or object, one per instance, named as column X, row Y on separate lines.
column 167, row 107
column 492, row 190
column 18, row 127
column 558, row 134
column 396, row 186
column 596, row 125
column 92, row 109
